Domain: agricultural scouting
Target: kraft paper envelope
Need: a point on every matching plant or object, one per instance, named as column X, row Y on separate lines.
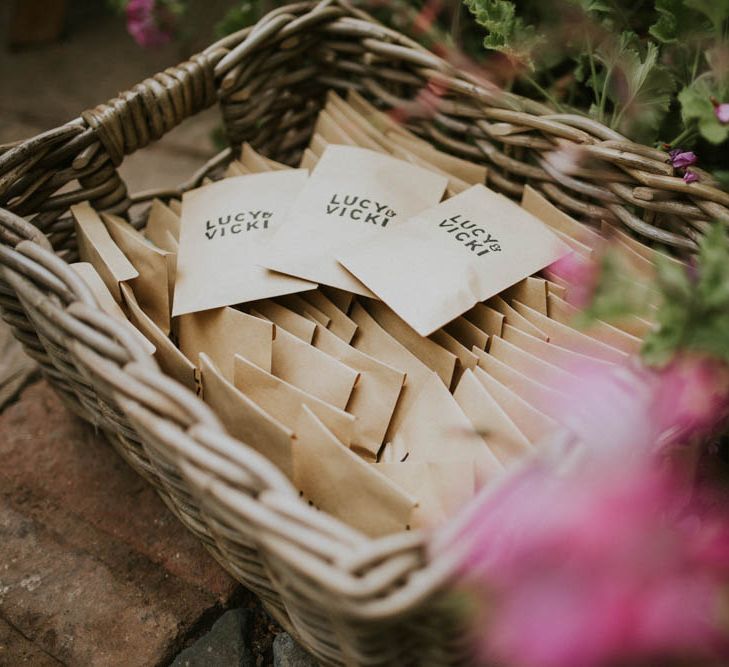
column 338, row 482
column 340, row 298
column 328, row 129
column 533, row 423
column 442, row 488
column 517, row 320
column 245, row 420
column 503, row 437
column 651, row 254
column 339, row 324
column 375, row 394
column 468, row 334
column 435, row 429
column 557, row 290
column 162, row 219
column 353, row 194
column 309, row 160
column 152, row 287
column 463, row 170
column 357, row 119
column 175, row 206
column 435, row 357
column 373, row 340
column 171, row 360
column 487, row 319
column 378, row 119
column 466, row 358
column 545, row 399
column 292, row 322
column 352, row 131
column 312, row 370
column 539, row 206
column 256, row 163
column 284, row 401
column 107, row 304
column 96, row 247
column 563, row 312
column 304, row 308
column 531, row 292
column 552, row 354
column 442, row 262
column 455, row 185
column 318, row 145
column 224, row 229
column 222, row 333
column 560, row 334
column 533, row 367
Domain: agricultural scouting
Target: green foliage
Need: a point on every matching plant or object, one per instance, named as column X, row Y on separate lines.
column 240, row 16
column 696, row 107
column 694, row 313
column 507, row 32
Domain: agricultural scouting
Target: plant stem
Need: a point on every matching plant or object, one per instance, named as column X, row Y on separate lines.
column 687, row 132
column 544, row 93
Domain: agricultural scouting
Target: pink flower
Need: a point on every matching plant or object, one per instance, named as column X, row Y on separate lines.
column 690, row 176
column 681, row 159
column 722, row 112
column 148, row 23
column 596, row 568
column 581, row 274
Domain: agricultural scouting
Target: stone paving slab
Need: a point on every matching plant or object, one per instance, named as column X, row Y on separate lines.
column 95, row 569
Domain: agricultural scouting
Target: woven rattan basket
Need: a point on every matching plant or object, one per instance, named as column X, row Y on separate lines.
column 349, row 599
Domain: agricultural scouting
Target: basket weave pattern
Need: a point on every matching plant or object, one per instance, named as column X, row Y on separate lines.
column 350, row 600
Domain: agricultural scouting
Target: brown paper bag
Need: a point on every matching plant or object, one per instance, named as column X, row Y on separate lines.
column 338, row 482
column 435, row 357
column 375, row 394
column 465, row 171
column 373, row 340
column 442, row 488
column 222, row 333
column 170, row 359
column 225, row 227
column 435, row 429
column 96, row 247
column 487, row 319
column 286, row 319
column 106, row 302
column 312, row 370
column 284, row 401
column 565, row 336
column 539, row 206
column 352, row 195
column 563, row 312
column 535, row 425
column 245, row 420
column 467, row 334
column 339, row 324
column 489, row 419
column 527, row 364
column 443, row 261
column 162, row 219
column 516, row 320
column 152, row 286
column 552, row 354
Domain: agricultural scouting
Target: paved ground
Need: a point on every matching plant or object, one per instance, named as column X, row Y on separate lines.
column 94, row 570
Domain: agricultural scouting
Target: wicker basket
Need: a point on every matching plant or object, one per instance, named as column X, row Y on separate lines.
column 349, row 599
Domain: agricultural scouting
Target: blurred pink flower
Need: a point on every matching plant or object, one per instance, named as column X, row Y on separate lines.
column 596, row 567
column 148, row 23
column 690, row 176
column 582, row 275
column 722, row 112
column 681, row 159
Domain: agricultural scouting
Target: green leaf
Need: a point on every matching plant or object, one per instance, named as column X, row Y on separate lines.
column 641, row 89
column 696, row 107
column 717, row 11
column 507, row 32
column 677, row 20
